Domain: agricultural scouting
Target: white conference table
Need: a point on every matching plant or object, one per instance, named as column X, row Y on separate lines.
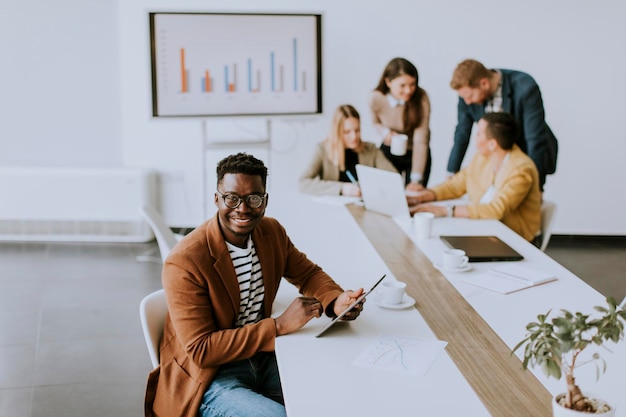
column 317, row 374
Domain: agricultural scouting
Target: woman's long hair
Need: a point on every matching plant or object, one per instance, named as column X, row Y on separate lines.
column 335, row 147
column 412, row 116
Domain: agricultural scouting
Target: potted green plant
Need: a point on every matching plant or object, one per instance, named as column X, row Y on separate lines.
column 556, row 344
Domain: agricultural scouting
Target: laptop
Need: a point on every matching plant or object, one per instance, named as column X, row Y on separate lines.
column 383, row 192
column 483, row 248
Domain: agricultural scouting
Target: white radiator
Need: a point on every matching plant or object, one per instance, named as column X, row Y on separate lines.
column 75, row 204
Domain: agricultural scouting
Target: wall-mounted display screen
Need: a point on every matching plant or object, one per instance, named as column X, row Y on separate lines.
column 228, row 64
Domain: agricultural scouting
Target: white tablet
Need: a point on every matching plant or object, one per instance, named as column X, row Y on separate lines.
column 350, row 307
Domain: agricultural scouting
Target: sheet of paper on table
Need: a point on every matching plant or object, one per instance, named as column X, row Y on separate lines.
column 406, row 355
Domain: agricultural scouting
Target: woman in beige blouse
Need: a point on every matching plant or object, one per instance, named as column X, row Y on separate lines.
column 336, row 157
column 400, row 106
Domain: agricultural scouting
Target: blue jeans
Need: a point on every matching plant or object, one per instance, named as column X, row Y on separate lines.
column 247, row 388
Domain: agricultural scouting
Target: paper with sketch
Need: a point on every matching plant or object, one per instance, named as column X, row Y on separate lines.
column 406, row 355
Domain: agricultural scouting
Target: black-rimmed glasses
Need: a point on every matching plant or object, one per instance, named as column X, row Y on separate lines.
column 233, row 200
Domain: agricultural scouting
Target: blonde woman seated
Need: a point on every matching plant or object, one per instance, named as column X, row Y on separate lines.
column 332, row 169
column 501, row 181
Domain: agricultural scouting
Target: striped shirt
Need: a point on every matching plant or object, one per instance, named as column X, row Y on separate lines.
column 250, row 277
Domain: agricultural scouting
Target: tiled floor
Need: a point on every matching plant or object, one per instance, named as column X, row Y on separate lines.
column 599, row 261
column 70, row 339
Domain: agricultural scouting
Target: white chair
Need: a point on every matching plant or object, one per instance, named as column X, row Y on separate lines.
column 548, row 209
column 152, row 312
column 166, row 239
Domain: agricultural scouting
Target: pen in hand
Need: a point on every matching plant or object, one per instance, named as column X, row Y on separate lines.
column 351, row 189
column 351, row 177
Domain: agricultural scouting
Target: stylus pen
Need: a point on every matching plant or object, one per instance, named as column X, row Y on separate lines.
column 351, row 177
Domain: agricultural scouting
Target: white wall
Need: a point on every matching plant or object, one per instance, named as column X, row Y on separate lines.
column 81, row 108
column 59, row 83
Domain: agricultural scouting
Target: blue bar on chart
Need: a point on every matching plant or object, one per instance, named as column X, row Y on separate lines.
column 251, row 87
column 272, row 71
column 229, row 86
column 295, row 64
column 274, row 78
column 249, row 75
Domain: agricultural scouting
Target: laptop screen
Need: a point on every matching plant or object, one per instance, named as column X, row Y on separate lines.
column 383, row 192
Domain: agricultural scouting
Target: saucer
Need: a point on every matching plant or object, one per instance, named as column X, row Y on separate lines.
column 407, row 302
column 465, row 268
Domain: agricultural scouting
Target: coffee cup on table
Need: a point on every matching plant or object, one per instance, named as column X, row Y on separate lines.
column 423, row 224
column 454, row 259
column 392, row 292
column 399, row 144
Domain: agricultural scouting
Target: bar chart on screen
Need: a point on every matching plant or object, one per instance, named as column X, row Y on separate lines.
column 230, row 64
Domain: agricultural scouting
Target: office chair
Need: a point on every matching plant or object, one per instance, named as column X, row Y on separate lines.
column 166, row 239
column 548, row 209
column 152, row 313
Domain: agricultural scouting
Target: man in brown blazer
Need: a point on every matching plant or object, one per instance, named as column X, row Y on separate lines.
column 217, row 352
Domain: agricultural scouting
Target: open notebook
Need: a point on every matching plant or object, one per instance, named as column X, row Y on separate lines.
column 509, row 278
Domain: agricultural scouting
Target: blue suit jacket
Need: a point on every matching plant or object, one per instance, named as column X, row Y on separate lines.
column 520, row 97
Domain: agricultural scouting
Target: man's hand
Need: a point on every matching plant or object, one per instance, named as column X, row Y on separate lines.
column 299, row 312
column 420, row 197
column 414, row 187
column 438, row 211
column 344, row 300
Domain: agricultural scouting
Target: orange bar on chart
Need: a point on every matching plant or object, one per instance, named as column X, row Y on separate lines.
column 233, row 86
column 207, row 81
column 183, row 72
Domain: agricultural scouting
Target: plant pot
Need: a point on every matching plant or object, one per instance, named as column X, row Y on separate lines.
column 560, row 411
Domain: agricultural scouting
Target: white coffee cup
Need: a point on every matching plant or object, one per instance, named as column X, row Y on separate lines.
column 454, row 259
column 399, row 144
column 423, row 225
column 392, row 292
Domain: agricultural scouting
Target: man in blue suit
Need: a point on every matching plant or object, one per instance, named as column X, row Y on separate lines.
column 481, row 91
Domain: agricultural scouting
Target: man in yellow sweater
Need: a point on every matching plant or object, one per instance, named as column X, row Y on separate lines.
column 501, row 181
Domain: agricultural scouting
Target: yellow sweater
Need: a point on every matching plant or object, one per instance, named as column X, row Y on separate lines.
column 517, row 199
